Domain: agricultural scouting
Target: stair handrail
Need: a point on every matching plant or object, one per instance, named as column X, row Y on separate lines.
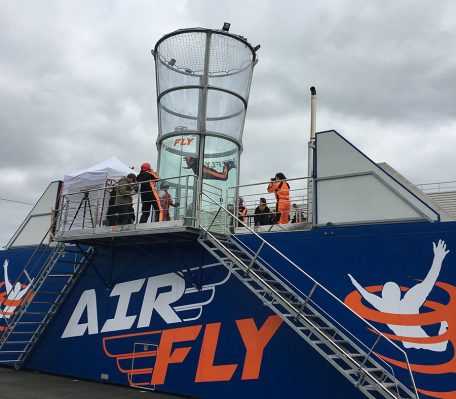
column 26, row 274
column 307, row 300
column 378, row 332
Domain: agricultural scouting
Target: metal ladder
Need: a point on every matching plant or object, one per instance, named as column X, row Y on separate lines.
column 353, row 359
column 53, row 281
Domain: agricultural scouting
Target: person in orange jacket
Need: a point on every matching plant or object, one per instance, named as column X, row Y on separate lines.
column 149, row 195
column 281, row 189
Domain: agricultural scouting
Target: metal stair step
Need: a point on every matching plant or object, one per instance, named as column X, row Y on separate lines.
column 61, row 275
column 323, row 328
column 369, row 370
column 35, row 313
column 71, row 262
column 271, row 281
column 71, row 251
column 310, row 315
column 48, row 292
column 350, row 355
column 15, row 342
column 386, row 385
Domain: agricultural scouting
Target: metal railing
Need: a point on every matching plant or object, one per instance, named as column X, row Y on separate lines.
column 251, row 194
column 437, row 187
column 134, row 203
column 315, row 289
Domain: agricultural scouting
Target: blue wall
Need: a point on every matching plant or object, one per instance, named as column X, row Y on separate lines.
column 288, row 366
column 374, row 255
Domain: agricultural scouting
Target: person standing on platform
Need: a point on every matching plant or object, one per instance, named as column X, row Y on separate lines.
column 281, row 189
column 124, row 200
column 166, row 201
column 242, row 211
column 149, row 195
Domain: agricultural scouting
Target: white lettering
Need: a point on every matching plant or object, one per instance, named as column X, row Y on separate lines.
column 161, row 302
column 121, row 321
column 88, row 301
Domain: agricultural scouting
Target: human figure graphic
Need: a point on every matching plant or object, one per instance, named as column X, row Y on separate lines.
column 390, row 301
column 15, row 293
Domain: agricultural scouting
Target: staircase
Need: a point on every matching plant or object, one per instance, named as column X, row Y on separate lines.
column 21, row 328
column 357, row 362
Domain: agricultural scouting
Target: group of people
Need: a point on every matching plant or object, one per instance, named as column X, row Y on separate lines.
column 281, row 215
column 120, row 208
column 158, row 200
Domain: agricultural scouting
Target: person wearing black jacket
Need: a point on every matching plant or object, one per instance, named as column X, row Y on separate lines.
column 263, row 215
column 149, row 195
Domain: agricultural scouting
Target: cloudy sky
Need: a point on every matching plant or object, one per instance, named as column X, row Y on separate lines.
column 77, row 84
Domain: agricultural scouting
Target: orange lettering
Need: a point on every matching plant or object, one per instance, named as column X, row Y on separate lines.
column 255, row 341
column 165, row 354
column 177, row 141
column 206, row 371
column 189, row 141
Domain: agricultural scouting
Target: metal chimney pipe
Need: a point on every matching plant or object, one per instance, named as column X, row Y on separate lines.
column 313, row 111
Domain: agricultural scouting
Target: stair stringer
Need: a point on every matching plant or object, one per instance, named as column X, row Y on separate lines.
column 36, row 285
column 371, row 378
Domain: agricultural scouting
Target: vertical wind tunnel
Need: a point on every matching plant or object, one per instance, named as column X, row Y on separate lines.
column 203, row 84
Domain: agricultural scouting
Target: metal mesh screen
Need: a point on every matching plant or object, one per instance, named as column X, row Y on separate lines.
column 227, row 55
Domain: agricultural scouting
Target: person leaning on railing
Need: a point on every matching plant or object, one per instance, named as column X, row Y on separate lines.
column 124, row 200
column 281, row 189
column 149, row 195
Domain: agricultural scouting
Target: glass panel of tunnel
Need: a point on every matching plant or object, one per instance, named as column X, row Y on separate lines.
column 175, row 171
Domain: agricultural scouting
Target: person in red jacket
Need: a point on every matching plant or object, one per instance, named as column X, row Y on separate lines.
column 149, row 195
column 281, row 189
column 166, row 201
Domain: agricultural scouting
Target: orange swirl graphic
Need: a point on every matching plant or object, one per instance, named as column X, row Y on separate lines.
column 438, row 313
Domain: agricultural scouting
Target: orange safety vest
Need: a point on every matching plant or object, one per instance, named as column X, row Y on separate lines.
column 242, row 213
column 155, row 193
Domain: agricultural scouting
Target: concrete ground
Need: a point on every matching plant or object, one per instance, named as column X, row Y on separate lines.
column 34, row 385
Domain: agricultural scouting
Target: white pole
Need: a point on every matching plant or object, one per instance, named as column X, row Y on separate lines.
column 310, row 157
column 313, row 111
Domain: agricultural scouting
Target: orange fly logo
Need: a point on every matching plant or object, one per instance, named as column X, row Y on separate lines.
column 397, row 308
column 152, row 352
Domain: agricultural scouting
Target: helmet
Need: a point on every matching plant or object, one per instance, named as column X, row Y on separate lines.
column 241, row 200
column 145, row 166
column 164, row 185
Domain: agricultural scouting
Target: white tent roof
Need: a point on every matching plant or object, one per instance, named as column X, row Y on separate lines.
column 95, row 175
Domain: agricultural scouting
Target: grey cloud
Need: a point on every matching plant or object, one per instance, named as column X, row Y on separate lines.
column 77, row 83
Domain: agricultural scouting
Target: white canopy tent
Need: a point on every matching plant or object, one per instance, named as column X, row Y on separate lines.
column 86, row 195
column 95, row 175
